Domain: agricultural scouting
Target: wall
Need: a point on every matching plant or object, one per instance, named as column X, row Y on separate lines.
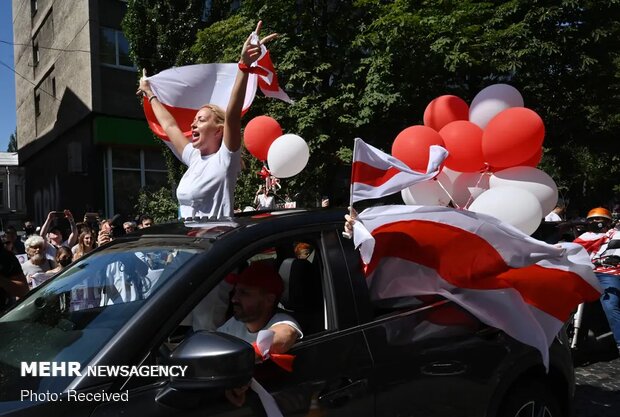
column 63, row 26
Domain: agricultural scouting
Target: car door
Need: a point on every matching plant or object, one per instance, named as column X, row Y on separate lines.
column 331, row 368
column 431, row 357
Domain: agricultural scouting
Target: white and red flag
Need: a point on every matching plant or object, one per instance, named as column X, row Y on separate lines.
column 183, row 90
column 504, row 277
column 375, row 174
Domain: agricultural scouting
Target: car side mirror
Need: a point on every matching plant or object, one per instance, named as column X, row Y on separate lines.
column 214, row 361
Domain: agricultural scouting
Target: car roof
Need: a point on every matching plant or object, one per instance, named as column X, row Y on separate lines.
column 217, row 228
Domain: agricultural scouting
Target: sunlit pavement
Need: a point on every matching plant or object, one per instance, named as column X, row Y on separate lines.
column 598, row 387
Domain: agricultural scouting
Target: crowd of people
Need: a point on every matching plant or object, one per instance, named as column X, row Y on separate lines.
column 41, row 253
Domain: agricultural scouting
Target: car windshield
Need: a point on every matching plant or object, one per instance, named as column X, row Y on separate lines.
column 74, row 315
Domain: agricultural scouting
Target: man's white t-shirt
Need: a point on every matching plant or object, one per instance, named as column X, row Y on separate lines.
column 238, row 329
column 207, row 187
column 265, row 202
column 553, row 217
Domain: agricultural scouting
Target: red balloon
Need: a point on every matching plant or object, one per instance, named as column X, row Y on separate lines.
column 531, row 162
column 259, row 134
column 412, row 145
column 534, row 160
column 512, row 137
column 444, row 110
column 463, row 141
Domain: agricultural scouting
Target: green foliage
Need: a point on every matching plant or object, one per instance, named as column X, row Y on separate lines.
column 161, row 204
column 12, row 146
column 368, row 68
column 160, row 34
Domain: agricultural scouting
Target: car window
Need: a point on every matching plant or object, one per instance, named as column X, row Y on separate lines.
column 72, row 316
column 302, row 278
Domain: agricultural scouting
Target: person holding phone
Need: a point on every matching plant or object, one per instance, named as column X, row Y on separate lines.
column 52, row 232
column 212, row 153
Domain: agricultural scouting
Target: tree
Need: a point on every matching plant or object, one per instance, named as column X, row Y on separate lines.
column 12, row 146
column 160, row 204
column 368, row 68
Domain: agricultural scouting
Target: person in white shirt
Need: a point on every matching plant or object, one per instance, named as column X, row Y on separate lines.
column 212, row 154
column 556, row 214
column 258, row 289
column 264, row 200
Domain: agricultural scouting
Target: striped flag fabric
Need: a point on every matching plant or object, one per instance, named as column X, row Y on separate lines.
column 375, row 174
column 268, row 79
column 592, row 242
column 506, row 278
column 183, row 90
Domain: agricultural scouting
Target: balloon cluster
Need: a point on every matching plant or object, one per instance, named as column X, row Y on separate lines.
column 495, row 144
column 286, row 154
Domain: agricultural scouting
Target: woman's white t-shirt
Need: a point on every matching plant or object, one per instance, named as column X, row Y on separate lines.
column 208, row 186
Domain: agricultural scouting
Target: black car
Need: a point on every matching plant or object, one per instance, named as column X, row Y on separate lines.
column 126, row 304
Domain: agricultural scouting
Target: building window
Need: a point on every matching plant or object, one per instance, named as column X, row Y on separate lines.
column 54, row 86
column 37, row 103
column 34, row 6
column 114, row 48
column 128, row 172
column 36, row 57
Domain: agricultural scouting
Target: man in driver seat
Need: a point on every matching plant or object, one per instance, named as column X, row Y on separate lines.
column 258, row 289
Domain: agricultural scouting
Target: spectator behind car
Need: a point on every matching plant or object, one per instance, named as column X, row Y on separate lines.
column 64, row 257
column 17, row 246
column 86, row 243
column 12, row 280
column 37, row 264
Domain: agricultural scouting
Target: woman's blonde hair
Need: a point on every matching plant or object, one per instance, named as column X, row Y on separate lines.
column 220, row 114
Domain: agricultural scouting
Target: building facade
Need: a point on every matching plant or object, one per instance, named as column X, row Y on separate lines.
column 12, row 203
column 82, row 137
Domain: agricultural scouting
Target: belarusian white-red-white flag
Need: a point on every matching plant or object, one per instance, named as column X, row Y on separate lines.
column 504, row 277
column 375, row 174
column 184, row 90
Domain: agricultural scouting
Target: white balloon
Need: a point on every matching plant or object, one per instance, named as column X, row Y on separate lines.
column 425, row 193
column 492, row 100
column 450, row 174
column 465, row 183
column 531, row 179
column 512, row 205
column 287, row 156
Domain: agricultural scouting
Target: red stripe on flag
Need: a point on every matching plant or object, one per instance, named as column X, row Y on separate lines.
column 364, row 173
column 466, row 260
column 266, row 64
column 551, row 290
column 184, row 118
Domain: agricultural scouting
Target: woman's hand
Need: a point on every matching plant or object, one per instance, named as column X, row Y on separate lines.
column 251, row 52
column 144, row 88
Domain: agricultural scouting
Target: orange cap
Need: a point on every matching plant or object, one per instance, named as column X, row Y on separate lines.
column 599, row 212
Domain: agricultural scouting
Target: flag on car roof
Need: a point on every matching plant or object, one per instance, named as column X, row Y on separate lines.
column 375, row 174
column 504, row 277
